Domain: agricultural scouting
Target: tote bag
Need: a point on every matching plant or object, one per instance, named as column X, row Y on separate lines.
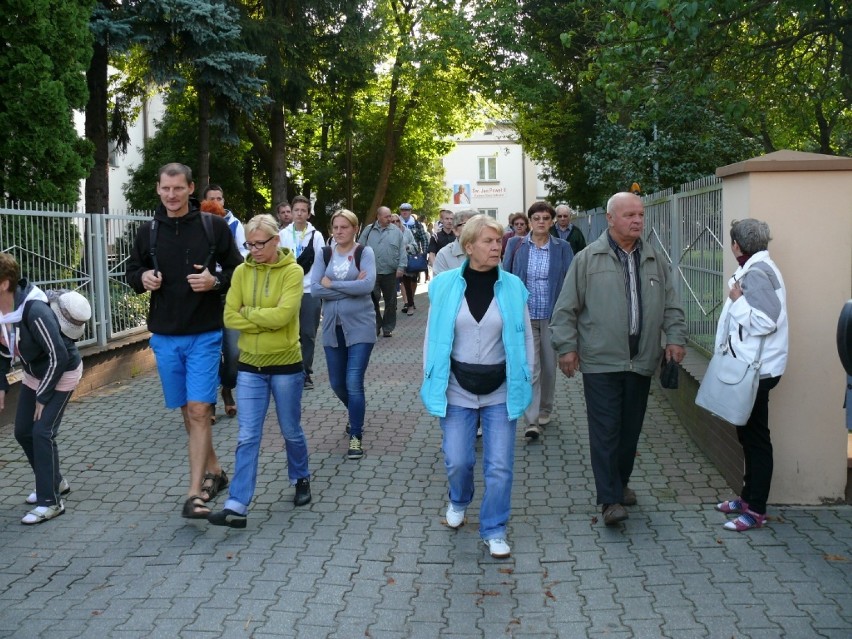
column 729, row 387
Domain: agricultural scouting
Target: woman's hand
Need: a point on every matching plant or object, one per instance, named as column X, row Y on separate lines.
column 736, row 292
column 2, row 399
column 362, row 275
column 325, row 282
column 38, row 411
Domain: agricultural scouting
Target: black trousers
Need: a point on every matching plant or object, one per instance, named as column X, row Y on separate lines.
column 615, row 405
column 386, row 288
column 757, row 449
column 38, row 440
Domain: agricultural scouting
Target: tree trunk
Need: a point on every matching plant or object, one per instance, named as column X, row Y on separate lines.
column 202, row 171
column 97, row 131
column 278, row 138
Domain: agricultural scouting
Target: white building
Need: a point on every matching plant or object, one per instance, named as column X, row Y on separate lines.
column 490, row 172
column 143, row 128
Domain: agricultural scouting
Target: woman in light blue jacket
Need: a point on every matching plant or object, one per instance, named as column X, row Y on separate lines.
column 477, row 362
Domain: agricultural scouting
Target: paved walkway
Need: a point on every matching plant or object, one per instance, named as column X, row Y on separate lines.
column 370, row 556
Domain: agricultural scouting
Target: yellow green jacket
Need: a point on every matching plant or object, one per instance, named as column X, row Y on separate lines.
column 263, row 304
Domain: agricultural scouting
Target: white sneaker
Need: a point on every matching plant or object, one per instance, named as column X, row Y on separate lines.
column 543, row 420
column 64, row 489
column 455, row 518
column 479, row 431
column 498, row 548
column 43, row 513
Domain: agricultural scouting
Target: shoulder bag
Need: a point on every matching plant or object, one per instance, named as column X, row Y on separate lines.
column 729, row 387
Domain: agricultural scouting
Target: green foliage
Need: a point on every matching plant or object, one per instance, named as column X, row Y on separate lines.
column 42, row 65
column 176, row 140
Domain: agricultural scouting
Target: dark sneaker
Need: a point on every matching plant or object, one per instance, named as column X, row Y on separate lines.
column 309, row 383
column 355, row 450
column 629, row 498
column 227, row 517
column 303, row 492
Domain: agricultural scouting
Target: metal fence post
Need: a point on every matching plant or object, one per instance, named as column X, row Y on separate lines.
column 676, row 222
column 99, row 277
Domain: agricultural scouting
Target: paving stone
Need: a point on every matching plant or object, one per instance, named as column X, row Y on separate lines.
column 370, row 557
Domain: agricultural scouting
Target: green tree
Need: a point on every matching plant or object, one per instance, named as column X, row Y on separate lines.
column 47, row 50
column 779, row 71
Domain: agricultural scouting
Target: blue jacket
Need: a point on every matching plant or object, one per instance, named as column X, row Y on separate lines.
column 517, row 258
column 446, row 292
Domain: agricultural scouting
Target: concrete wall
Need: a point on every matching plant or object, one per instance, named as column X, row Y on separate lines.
column 807, row 201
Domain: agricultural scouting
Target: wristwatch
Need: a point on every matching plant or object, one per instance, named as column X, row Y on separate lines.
column 217, row 284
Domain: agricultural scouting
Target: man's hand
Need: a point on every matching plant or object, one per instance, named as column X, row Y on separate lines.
column 568, row 363
column 152, row 280
column 201, row 282
column 399, row 272
column 736, row 292
column 675, row 352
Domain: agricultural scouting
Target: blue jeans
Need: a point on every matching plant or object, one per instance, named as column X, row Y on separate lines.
column 346, row 368
column 253, row 391
column 498, row 459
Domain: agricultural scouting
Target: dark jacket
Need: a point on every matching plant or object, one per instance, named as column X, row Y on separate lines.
column 575, row 237
column 439, row 240
column 181, row 242
column 45, row 352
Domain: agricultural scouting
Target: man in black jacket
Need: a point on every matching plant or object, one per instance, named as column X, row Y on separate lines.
column 174, row 257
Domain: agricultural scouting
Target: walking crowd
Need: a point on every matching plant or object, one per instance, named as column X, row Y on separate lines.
column 238, row 308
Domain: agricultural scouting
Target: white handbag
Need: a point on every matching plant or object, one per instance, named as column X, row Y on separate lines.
column 729, row 387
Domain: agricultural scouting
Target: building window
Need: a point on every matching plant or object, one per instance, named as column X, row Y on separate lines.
column 492, row 213
column 487, row 169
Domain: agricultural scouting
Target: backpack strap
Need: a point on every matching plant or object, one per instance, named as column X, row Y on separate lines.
column 359, row 249
column 152, row 243
column 207, row 224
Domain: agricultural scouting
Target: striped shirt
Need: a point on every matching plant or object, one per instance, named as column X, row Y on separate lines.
column 632, row 284
column 538, row 271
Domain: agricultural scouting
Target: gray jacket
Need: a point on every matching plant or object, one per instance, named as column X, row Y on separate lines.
column 590, row 316
column 388, row 247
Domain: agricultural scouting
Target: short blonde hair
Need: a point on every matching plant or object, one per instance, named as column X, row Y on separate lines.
column 346, row 214
column 474, row 226
column 263, row 222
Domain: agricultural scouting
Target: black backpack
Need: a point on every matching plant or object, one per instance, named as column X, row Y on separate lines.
column 206, row 222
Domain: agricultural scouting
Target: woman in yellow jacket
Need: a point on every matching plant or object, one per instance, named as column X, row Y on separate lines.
column 263, row 304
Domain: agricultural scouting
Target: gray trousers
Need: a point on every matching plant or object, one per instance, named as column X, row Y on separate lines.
column 386, row 288
column 309, row 319
column 544, row 373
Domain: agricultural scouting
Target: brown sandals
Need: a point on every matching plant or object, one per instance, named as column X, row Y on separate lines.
column 194, row 508
column 213, row 484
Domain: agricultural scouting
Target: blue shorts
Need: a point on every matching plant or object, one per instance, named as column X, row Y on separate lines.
column 188, row 366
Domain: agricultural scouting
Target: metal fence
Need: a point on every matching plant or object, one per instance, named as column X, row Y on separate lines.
column 686, row 226
column 85, row 252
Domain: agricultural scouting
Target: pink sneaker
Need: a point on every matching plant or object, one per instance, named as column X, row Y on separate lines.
column 746, row 521
column 733, row 507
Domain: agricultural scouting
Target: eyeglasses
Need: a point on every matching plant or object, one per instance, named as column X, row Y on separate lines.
column 562, row 217
column 458, row 226
column 257, row 245
column 540, row 219
column 519, row 224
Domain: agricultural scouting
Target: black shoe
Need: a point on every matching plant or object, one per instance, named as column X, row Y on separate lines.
column 227, row 517
column 355, row 450
column 404, row 309
column 303, row 492
column 309, row 383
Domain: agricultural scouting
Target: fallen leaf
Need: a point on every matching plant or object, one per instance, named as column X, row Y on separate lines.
column 834, row 558
column 549, row 595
